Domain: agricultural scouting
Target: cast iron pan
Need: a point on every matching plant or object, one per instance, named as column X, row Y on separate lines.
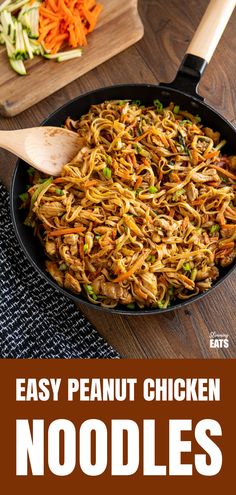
column 182, row 91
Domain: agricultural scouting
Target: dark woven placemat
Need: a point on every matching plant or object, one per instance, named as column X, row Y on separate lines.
column 36, row 321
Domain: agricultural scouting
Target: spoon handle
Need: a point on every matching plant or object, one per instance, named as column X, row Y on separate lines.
column 13, row 141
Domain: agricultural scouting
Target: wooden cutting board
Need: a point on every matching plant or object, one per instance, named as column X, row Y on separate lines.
column 119, row 27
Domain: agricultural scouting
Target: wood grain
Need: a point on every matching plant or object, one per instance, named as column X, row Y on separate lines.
column 169, row 27
column 111, row 36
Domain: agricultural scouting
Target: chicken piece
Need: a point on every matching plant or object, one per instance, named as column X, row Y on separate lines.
column 232, row 163
column 203, row 273
column 192, row 192
column 71, row 239
column 204, row 284
column 89, row 237
column 50, row 247
column 227, row 260
column 209, row 176
column 51, row 209
column 156, row 238
column 71, row 283
column 111, row 290
column 54, row 271
column 215, row 136
column 228, row 230
column 74, row 250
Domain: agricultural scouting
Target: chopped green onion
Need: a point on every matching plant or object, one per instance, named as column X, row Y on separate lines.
column 176, row 109
column 185, row 121
column 159, row 106
column 160, row 304
column 153, row 189
column 171, row 291
column 153, row 259
column 89, row 289
column 136, row 102
column 198, row 118
column 138, row 190
column 131, row 306
column 59, row 192
column 85, row 248
column 30, row 171
column 193, row 274
column 187, row 267
column 182, row 143
column 224, row 179
column 107, row 172
column 24, row 196
column 221, row 144
column 97, row 237
column 141, row 151
column 63, row 267
column 214, row 228
column 94, row 296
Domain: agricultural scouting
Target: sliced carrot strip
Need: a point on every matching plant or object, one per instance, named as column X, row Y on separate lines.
column 224, row 172
column 73, row 18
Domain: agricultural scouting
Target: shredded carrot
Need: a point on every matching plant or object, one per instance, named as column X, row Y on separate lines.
column 66, row 22
column 224, row 172
column 140, row 293
column 211, row 154
column 134, row 268
column 221, row 219
column 175, row 177
column 138, row 182
column 74, row 230
column 139, row 138
column 90, row 183
column 81, row 249
column 185, row 222
column 163, row 139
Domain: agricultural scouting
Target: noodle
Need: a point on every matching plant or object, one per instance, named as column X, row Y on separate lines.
column 144, row 214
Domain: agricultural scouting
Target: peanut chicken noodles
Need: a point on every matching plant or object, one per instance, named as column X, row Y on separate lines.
column 145, row 212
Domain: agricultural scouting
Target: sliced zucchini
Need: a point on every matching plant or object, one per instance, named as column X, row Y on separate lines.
column 18, row 66
column 16, row 5
column 33, row 14
column 27, row 45
column 4, row 5
column 69, row 55
column 62, row 56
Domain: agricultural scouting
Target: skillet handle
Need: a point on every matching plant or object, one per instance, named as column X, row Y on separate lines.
column 211, row 28
column 202, row 47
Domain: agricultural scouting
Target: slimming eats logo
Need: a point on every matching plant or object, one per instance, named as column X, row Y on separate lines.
column 219, row 340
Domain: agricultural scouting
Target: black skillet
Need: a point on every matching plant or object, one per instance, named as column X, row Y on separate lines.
column 182, row 91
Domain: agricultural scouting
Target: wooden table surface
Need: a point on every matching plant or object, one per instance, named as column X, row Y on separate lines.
column 169, row 26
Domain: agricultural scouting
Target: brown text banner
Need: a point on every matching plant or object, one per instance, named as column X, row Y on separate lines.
column 117, row 425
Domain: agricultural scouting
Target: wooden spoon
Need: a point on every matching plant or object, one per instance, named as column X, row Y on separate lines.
column 44, row 148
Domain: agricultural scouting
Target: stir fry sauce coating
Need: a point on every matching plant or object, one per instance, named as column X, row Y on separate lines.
column 145, row 212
